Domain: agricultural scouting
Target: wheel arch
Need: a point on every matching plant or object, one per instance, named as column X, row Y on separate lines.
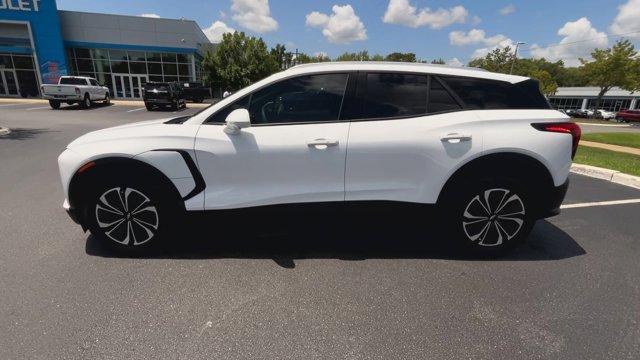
column 531, row 171
column 85, row 178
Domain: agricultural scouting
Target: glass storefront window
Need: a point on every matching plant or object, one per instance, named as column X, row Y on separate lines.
column 99, row 54
column 155, row 68
column 183, row 58
column 153, row 78
column 168, row 58
column 184, row 70
column 85, row 65
column 137, row 56
column 170, row 78
column 120, row 67
column 152, row 56
column 118, row 55
column 5, row 62
column 170, row 69
column 138, row 67
column 101, row 66
column 23, row 62
column 83, row 53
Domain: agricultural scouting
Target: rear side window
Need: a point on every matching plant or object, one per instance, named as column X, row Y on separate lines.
column 73, row 81
column 439, row 98
column 389, row 95
column 491, row 94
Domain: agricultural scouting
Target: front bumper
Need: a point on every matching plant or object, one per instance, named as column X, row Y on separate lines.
column 551, row 202
column 73, row 214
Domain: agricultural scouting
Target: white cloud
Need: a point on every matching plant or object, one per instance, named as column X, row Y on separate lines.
column 216, row 30
column 509, row 9
column 254, row 15
column 482, row 52
column 628, row 19
column 580, row 38
column 475, row 36
column 341, row 27
column 455, row 62
column 155, row 16
column 401, row 12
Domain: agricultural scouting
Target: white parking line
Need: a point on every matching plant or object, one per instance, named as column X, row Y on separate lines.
column 134, row 110
column 38, row 108
column 601, row 203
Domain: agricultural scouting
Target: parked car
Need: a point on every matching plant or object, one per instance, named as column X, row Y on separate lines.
column 335, row 133
column 196, row 92
column 163, row 94
column 75, row 90
column 628, row 116
column 604, row 114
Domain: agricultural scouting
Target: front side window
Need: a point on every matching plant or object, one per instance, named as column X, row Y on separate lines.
column 311, row 98
column 221, row 116
column 390, row 95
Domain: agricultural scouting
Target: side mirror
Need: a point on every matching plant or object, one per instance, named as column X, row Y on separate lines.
column 237, row 120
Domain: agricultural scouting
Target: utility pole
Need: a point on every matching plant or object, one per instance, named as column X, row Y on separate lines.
column 515, row 56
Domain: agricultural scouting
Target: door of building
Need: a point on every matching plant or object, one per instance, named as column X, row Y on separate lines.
column 129, row 86
column 8, row 83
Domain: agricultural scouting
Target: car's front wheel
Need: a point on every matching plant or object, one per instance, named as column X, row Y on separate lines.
column 489, row 218
column 129, row 217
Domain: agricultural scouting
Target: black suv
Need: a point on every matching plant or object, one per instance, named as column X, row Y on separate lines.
column 196, row 92
column 163, row 95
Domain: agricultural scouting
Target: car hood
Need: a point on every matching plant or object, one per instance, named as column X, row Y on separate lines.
column 117, row 132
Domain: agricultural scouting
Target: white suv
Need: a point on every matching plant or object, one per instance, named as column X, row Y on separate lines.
column 485, row 148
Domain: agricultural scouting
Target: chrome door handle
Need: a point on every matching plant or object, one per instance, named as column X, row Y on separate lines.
column 456, row 138
column 323, row 143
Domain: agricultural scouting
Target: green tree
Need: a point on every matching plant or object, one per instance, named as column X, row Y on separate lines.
column 548, row 86
column 499, row 60
column 359, row 56
column 239, row 61
column 618, row 66
column 401, row 57
column 439, row 61
column 377, row 57
column 281, row 56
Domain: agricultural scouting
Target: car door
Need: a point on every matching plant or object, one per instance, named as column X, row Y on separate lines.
column 407, row 134
column 294, row 151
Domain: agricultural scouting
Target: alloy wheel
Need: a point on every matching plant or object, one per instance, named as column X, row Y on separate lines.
column 127, row 216
column 493, row 217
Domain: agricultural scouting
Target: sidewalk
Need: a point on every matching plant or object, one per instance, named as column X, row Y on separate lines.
column 115, row 102
column 622, row 149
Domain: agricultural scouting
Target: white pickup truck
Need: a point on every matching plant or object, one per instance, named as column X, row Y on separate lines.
column 75, row 90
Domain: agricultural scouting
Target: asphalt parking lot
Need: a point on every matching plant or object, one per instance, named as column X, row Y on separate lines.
column 310, row 285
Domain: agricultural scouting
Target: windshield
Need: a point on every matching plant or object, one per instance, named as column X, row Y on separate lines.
column 159, row 87
column 72, row 81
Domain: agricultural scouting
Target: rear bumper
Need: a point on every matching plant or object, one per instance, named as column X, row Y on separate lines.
column 552, row 201
column 158, row 101
column 62, row 97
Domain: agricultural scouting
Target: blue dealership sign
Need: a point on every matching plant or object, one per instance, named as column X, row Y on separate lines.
column 43, row 18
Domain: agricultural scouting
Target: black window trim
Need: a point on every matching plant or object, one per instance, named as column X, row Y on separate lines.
column 348, row 86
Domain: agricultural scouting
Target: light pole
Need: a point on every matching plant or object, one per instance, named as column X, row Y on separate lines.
column 515, row 56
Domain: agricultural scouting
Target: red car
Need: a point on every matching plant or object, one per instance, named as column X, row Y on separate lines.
column 628, row 115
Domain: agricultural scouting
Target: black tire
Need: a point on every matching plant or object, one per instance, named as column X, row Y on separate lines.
column 86, row 102
column 174, row 105
column 149, row 107
column 107, row 99
column 198, row 100
column 488, row 218
column 55, row 105
column 125, row 230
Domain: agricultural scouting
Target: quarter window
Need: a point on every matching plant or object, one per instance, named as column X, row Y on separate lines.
column 389, row 95
column 312, row 98
column 491, row 94
column 439, row 98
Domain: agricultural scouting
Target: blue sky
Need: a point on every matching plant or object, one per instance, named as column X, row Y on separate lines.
column 445, row 29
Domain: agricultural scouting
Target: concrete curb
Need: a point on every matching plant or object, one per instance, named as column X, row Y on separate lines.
column 607, row 174
column 4, row 131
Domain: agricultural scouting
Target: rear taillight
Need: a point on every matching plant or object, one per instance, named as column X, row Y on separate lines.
column 566, row 128
column 77, row 91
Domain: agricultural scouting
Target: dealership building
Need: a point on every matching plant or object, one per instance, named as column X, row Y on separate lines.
column 583, row 98
column 39, row 43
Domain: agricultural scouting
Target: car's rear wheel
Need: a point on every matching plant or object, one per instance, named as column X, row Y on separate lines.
column 55, row 105
column 129, row 217
column 489, row 218
column 86, row 102
column 149, row 107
